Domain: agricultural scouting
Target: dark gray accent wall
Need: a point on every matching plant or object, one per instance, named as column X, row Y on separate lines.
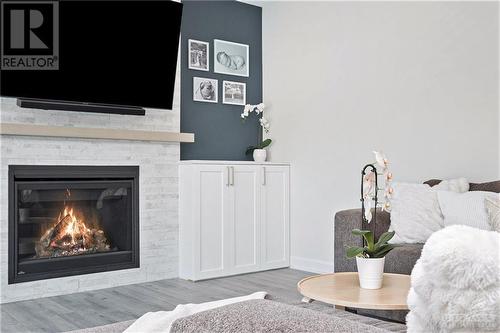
column 219, row 132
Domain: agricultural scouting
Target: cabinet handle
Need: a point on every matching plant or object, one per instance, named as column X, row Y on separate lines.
column 228, row 176
column 263, row 175
column 232, row 176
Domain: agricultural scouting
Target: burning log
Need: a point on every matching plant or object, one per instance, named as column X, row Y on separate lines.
column 58, row 230
column 70, row 236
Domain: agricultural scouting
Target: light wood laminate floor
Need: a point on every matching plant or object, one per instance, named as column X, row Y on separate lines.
column 106, row 306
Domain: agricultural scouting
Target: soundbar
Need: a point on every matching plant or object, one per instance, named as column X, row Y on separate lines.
column 79, row 107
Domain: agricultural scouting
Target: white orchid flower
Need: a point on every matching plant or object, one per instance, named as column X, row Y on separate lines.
column 381, row 160
column 368, row 184
column 264, row 123
column 246, row 110
column 369, row 188
column 258, row 109
column 388, row 176
column 388, row 192
column 368, row 210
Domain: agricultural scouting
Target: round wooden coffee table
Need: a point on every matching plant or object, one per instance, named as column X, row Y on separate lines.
column 342, row 290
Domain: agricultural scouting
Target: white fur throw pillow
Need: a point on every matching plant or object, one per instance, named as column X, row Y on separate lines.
column 465, row 208
column 455, row 285
column 493, row 209
column 415, row 212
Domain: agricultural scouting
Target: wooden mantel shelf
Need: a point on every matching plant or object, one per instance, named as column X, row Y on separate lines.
column 93, row 133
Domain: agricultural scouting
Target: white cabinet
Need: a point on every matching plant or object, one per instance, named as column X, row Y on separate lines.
column 210, row 207
column 244, row 227
column 275, row 217
column 234, row 218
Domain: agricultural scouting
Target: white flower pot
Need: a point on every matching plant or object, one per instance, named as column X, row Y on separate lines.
column 259, row 155
column 370, row 272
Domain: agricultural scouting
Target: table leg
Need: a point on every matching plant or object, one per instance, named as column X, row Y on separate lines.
column 307, row 299
column 340, row 307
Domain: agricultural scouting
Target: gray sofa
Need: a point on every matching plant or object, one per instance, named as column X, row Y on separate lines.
column 400, row 260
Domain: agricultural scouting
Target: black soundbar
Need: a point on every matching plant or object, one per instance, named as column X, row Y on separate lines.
column 80, row 107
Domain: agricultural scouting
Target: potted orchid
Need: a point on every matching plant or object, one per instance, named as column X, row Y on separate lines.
column 370, row 258
column 258, row 151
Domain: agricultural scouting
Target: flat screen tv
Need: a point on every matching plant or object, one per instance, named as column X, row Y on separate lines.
column 111, row 54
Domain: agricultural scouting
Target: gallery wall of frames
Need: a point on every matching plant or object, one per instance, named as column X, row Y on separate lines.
column 221, row 71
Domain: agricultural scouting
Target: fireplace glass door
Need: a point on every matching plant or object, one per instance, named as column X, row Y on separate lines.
column 73, row 226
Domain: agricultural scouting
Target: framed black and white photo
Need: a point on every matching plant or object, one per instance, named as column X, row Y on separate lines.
column 234, row 93
column 231, row 58
column 199, row 55
column 205, row 90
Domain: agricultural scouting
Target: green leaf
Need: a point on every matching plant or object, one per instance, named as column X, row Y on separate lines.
column 353, row 251
column 384, row 238
column 383, row 250
column 250, row 150
column 358, row 232
column 265, row 143
column 368, row 235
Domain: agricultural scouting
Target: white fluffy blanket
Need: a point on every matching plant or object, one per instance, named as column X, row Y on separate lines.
column 455, row 285
column 161, row 321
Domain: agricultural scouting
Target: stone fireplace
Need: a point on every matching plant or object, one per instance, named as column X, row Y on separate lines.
column 157, row 189
column 72, row 220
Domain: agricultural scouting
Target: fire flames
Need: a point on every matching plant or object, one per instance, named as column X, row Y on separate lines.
column 70, row 236
column 74, row 232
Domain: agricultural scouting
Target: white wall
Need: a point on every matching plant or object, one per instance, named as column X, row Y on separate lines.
column 418, row 80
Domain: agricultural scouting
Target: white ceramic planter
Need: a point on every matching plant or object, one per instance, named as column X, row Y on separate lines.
column 370, row 272
column 259, row 155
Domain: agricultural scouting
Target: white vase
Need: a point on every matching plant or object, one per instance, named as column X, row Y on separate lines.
column 370, row 272
column 259, row 155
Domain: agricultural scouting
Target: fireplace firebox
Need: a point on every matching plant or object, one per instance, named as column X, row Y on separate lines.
column 71, row 220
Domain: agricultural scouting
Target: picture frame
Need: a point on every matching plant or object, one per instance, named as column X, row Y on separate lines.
column 198, row 55
column 231, row 58
column 234, row 93
column 205, row 90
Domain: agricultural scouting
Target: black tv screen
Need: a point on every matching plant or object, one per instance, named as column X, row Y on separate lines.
column 110, row 52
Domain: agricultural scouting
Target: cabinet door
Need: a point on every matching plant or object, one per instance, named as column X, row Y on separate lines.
column 245, row 218
column 275, row 217
column 211, row 216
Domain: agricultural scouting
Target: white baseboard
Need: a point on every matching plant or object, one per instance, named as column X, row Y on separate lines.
column 311, row 265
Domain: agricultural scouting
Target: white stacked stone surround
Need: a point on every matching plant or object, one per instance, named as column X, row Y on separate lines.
column 158, row 163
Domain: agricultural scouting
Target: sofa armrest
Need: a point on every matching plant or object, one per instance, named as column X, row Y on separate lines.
column 345, row 221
